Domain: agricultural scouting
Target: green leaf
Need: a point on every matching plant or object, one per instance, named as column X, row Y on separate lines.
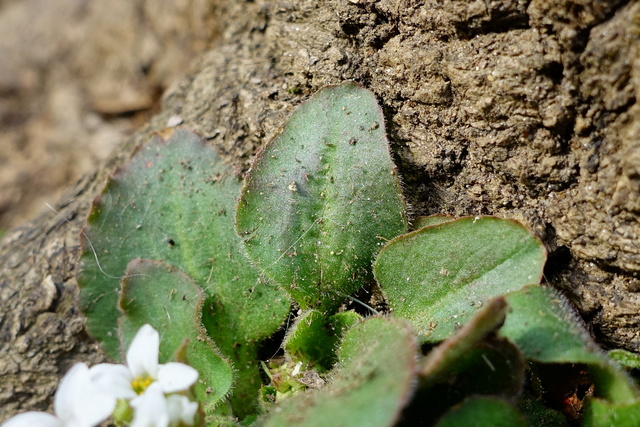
column 437, row 277
column 546, row 330
column 600, row 413
column 543, row 327
column 322, row 198
column 314, row 338
column 373, row 381
column 482, row 411
column 175, row 202
column 428, row 221
column 167, row 299
column 538, row 415
column 445, row 356
column 473, row 361
column 625, row 358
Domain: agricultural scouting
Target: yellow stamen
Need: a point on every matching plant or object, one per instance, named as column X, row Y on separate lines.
column 140, row 383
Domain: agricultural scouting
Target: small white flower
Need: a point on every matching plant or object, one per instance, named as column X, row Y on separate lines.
column 34, row 419
column 150, row 408
column 154, row 409
column 181, row 410
column 143, row 370
column 77, row 403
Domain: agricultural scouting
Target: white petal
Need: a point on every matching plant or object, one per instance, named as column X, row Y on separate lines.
column 181, row 410
column 93, row 408
column 113, row 379
column 150, row 408
column 72, row 386
column 176, row 377
column 142, row 356
column 34, row 419
column 78, row 402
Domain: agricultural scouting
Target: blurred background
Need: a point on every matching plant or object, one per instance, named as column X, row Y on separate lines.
column 76, row 78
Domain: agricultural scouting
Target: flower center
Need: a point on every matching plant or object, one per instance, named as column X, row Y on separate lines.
column 140, row 383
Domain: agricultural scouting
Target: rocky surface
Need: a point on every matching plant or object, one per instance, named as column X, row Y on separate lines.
column 522, row 109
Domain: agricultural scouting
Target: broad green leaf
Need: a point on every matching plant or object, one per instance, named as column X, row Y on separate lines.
column 546, row 330
column 626, row 359
column 322, row 198
column 314, row 338
column 373, row 380
column 437, row 277
column 600, row 413
column 474, row 361
column 538, row 415
column 428, row 221
column 175, row 202
column 443, row 357
column 541, row 324
column 482, row 411
column 167, row 299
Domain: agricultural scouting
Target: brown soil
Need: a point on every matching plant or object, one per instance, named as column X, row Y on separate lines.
column 69, row 94
column 522, row 109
